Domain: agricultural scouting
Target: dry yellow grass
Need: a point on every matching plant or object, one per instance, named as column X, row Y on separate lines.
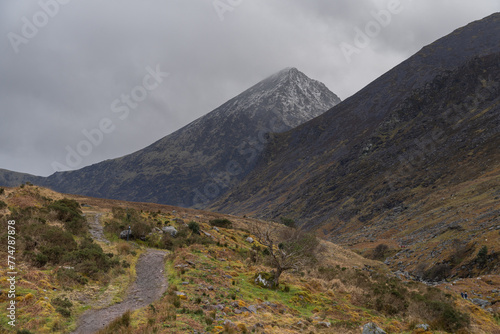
column 333, row 299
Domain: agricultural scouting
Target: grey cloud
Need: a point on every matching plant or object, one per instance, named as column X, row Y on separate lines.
column 65, row 79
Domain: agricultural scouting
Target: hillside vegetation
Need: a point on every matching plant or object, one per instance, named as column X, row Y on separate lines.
column 212, row 269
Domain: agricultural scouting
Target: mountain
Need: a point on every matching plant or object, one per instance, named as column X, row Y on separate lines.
column 199, row 162
column 11, row 179
column 370, row 168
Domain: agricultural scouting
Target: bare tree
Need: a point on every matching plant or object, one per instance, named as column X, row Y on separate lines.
column 287, row 248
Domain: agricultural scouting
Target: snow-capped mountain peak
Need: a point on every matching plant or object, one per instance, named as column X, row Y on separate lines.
column 184, row 167
column 289, row 94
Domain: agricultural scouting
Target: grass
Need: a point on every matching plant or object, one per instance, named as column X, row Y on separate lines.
column 340, row 295
column 343, row 309
column 121, row 325
column 304, row 300
column 44, row 303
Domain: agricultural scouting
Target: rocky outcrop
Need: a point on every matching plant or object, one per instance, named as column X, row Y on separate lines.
column 371, row 328
column 169, row 230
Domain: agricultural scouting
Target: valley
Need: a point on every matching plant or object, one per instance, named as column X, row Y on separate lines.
column 209, row 272
column 284, row 210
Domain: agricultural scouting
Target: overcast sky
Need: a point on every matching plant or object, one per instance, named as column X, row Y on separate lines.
column 139, row 70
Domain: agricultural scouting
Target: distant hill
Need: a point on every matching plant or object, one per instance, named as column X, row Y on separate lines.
column 198, row 163
column 11, row 179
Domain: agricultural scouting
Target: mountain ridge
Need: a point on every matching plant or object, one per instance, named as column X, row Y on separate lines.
column 200, row 161
column 411, row 160
column 362, row 113
column 365, row 170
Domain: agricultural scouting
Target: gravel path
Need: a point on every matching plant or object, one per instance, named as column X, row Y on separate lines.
column 96, row 229
column 148, row 287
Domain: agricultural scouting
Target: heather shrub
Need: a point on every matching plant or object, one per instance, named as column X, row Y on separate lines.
column 194, row 226
column 221, row 222
column 68, row 211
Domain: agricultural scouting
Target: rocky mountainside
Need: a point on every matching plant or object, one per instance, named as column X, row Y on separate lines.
column 199, row 162
column 361, row 171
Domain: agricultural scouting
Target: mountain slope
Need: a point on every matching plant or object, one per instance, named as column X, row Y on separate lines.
column 11, row 179
column 199, row 162
column 211, row 276
column 430, row 123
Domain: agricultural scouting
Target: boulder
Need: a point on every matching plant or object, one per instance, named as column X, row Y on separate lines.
column 182, row 295
column 252, row 308
column 169, row 229
column 267, row 303
column 123, row 234
column 325, row 324
column 265, row 280
column 480, row 302
column 249, row 309
column 371, row 328
column 425, row 327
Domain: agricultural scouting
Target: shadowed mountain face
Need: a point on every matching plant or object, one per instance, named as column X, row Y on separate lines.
column 199, row 162
column 430, row 122
column 14, row 179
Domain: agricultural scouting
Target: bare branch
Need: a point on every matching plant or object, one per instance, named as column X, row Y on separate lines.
column 287, row 248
